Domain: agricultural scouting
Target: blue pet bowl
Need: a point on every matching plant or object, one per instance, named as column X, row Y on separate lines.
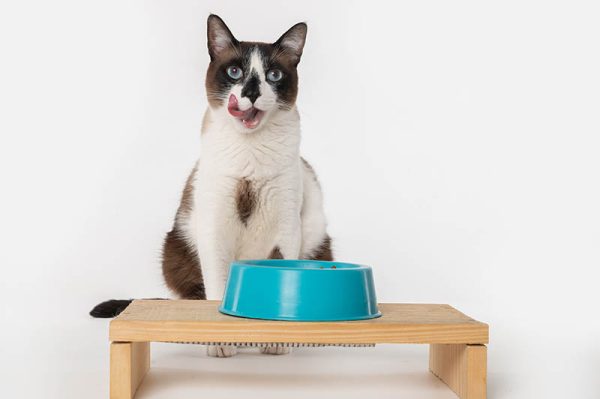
column 300, row 290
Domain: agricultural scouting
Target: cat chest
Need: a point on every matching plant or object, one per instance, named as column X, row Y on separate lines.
column 263, row 202
column 260, row 208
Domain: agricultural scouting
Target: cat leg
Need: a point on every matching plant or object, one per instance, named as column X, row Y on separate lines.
column 288, row 247
column 216, row 246
column 216, row 249
column 289, row 237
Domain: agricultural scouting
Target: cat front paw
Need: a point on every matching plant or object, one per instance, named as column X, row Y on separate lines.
column 221, row 351
column 275, row 350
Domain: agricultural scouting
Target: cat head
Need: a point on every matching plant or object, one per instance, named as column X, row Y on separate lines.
column 250, row 82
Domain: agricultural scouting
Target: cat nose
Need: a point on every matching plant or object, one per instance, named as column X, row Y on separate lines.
column 252, row 88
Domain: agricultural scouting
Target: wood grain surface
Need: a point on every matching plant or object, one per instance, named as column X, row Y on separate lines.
column 200, row 321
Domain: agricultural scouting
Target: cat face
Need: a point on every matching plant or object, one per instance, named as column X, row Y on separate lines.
column 249, row 82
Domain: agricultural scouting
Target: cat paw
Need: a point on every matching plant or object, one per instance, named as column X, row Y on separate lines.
column 275, row 350
column 221, row 351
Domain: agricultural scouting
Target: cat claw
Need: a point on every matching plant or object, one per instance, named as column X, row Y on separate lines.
column 221, row 351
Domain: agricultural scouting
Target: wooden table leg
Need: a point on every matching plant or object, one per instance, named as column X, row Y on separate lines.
column 462, row 367
column 129, row 363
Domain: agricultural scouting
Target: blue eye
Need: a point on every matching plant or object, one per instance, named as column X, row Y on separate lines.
column 274, row 75
column 234, row 72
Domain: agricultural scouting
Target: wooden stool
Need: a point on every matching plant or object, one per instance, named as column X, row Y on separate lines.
column 457, row 353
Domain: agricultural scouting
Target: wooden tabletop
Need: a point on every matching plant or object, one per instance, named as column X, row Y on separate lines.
column 200, row 321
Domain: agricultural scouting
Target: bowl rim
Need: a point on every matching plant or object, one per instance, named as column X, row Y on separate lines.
column 301, row 319
column 276, row 264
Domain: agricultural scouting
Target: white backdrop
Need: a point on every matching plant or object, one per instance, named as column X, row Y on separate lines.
column 457, row 144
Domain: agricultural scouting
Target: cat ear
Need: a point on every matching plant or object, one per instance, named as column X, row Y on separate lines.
column 219, row 36
column 292, row 41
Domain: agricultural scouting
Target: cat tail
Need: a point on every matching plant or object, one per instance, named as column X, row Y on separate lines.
column 111, row 308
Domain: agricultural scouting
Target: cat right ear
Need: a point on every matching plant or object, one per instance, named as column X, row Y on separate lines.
column 292, row 41
column 219, row 36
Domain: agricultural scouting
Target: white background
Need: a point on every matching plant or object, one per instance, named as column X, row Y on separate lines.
column 457, row 144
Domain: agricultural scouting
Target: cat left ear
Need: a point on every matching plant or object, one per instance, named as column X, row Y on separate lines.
column 219, row 36
column 292, row 41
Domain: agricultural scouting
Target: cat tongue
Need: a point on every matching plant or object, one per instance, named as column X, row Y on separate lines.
column 250, row 117
column 233, row 107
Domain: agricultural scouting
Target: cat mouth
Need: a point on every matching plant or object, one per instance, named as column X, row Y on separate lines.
column 250, row 118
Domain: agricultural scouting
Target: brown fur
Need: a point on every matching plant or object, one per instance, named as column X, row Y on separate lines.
column 324, row 251
column 180, row 264
column 275, row 254
column 245, row 200
column 181, row 267
column 214, row 85
column 287, row 63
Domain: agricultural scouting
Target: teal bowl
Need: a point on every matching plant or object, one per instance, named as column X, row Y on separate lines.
column 300, row 290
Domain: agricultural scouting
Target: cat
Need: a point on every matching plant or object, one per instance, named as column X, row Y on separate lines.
column 250, row 195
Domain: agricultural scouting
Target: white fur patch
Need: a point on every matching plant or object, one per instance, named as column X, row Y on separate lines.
column 256, row 64
column 268, row 98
